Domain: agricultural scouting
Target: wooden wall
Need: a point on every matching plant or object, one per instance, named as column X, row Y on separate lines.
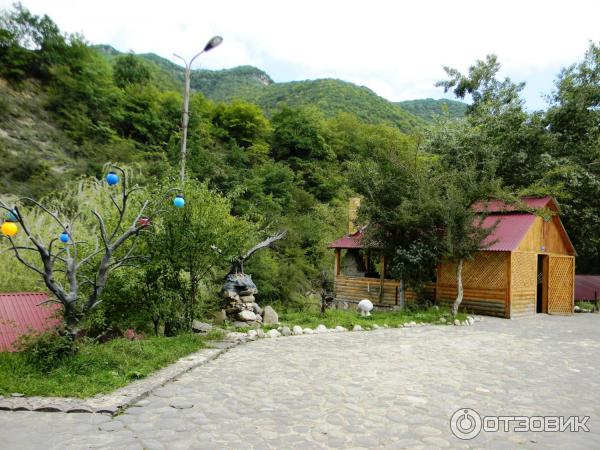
column 354, row 289
column 546, row 237
column 485, row 283
column 523, row 284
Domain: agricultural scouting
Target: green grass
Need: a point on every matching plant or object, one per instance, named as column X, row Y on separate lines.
column 96, row 368
column 349, row 318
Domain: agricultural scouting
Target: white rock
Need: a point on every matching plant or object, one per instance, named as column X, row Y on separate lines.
column 246, row 315
column 260, row 333
column 307, row 331
column 375, row 326
column 252, row 334
column 273, row 333
column 321, row 329
column 385, row 325
column 442, row 319
column 285, row 331
column 234, row 336
column 340, row 328
column 297, row 330
column 465, row 323
column 357, row 328
column 471, row 320
column 456, row 322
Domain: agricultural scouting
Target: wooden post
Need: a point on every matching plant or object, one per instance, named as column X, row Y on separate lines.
column 382, row 279
column 337, row 262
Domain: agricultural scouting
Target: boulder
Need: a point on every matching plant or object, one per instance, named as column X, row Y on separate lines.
column 221, row 317
column 240, row 282
column 201, row 327
column 270, row 317
column 321, row 329
column 297, row 330
column 340, row 328
column 456, row 322
column 248, row 299
column 307, row 331
column 247, row 316
column 285, row 331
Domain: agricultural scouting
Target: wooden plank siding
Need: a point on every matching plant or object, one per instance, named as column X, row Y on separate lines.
column 354, row 289
column 546, row 237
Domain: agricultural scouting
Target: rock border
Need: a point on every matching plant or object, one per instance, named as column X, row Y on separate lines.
column 121, row 399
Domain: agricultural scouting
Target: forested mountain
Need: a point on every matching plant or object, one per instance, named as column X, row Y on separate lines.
column 247, row 83
column 429, row 108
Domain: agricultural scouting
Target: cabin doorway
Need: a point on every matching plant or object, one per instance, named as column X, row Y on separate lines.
column 542, row 284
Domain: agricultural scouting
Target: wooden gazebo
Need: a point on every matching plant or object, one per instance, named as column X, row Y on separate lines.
column 528, row 267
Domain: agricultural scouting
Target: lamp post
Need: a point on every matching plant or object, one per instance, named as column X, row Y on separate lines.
column 214, row 42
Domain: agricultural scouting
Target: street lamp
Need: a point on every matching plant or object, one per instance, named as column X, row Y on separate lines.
column 214, row 42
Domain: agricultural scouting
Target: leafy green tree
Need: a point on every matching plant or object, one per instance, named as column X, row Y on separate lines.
column 131, row 69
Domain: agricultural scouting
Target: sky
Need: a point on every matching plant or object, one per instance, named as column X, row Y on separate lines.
column 396, row 48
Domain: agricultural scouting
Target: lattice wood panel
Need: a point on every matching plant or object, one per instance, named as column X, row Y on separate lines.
column 487, row 270
column 523, row 280
column 560, row 284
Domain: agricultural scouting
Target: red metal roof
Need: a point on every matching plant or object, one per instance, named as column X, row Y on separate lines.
column 23, row 312
column 509, row 232
column 493, row 206
column 587, row 287
column 349, row 241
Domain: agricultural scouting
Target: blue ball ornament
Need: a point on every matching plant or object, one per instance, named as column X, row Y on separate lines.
column 179, row 201
column 11, row 216
column 64, row 237
column 112, row 178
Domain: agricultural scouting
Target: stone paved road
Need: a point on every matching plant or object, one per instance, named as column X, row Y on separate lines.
column 364, row 390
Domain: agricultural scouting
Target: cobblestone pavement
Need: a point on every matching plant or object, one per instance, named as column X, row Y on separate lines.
column 394, row 388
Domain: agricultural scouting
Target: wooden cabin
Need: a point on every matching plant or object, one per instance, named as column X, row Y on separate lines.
column 528, row 267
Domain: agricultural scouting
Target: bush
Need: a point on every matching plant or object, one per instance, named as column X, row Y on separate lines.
column 48, row 349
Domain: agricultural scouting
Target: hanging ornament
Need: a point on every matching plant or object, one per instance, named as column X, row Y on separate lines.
column 179, row 201
column 64, row 237
column 143, row 222
column 11, row 216
column 9, row 229
column 112, row 178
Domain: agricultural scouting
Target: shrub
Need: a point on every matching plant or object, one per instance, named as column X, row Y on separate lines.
column 47, row 350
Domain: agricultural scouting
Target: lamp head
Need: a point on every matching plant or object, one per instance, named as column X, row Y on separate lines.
column 214, row 42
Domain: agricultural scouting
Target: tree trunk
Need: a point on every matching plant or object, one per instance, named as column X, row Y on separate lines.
column 71, row 321
column 156, row 323
column 459, row 288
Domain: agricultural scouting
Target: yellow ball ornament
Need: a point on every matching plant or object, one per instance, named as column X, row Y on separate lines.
column 9, row 229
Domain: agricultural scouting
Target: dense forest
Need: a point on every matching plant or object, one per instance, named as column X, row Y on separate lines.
column 282, row 155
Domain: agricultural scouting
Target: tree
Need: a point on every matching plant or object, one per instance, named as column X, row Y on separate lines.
column 463, row 233
column 195, row 244
column 66, row 269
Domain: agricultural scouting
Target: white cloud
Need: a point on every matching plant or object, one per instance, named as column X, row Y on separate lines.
column 395, row 48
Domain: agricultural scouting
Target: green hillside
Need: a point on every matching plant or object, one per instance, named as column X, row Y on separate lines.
column 428, row 108
column 332, row 97
column 247, row 83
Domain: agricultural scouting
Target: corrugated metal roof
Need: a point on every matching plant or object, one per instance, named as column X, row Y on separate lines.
column 496, row 206
column 22, row 312
column 349, row 241
column 587, row 287
column 509, row 232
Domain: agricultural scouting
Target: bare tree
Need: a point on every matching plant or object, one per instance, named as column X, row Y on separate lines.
column 69, row 263
column 237, row 265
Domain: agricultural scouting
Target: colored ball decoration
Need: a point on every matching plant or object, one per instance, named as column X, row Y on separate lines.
column 11, row 216
column 143, row 222
column 179, row 201
column 64, row 237
column 112, row 178
column 9, row 229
